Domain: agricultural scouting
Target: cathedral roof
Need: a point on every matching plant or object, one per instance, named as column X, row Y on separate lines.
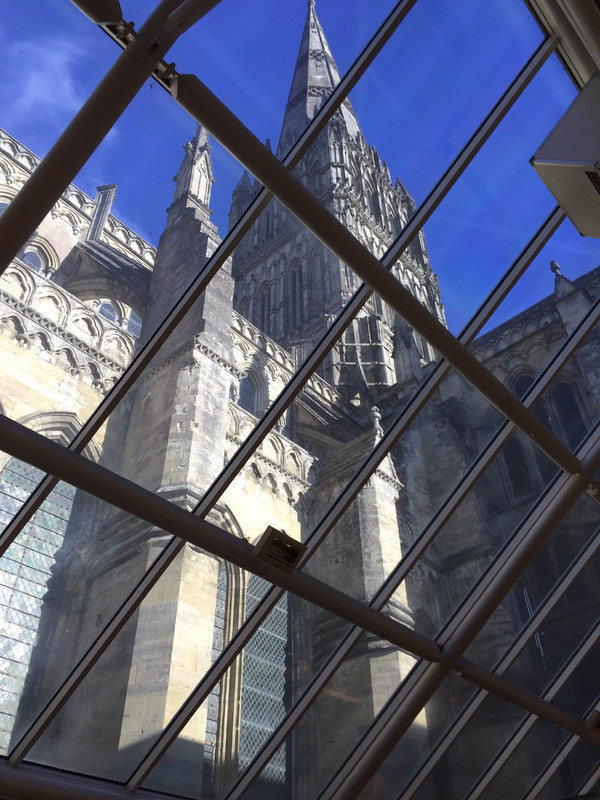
column 315, row 76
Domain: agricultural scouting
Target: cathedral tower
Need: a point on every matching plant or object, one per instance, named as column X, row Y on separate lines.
column 289, row 285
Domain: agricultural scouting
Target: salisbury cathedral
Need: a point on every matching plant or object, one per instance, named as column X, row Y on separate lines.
column 81, row 299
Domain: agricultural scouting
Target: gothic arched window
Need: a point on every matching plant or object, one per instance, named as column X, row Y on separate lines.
column 134, row 325
column 295, row 299
column 243, row 307
column 568, row 413
column 545, row 467
column 107, row 310
column 519, row 471
column 34, row 258
column 247, row 396
column 262, row 309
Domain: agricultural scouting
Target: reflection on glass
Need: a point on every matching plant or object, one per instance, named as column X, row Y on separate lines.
column 466, row 757
column 155, row 662
column 544, row 575
column 561, row 635
column 441, row 711
column 538, row 751
column 25, row 571
column 344, row 710
column 570, row 776
column 88, row 289
column 262, row 685
column 61, row 581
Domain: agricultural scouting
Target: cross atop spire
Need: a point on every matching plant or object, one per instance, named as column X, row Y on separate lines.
column 315, row 77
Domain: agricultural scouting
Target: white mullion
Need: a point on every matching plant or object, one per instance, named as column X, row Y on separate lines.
column 507, row 660
column 424, row 540
column 591, row 638
column 218, row 669
column 355, row 774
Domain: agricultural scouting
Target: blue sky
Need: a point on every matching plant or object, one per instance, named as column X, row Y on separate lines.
column 418, row 103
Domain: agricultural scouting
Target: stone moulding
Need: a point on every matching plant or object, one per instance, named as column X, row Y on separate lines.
column 33, row 325
column 76, row 206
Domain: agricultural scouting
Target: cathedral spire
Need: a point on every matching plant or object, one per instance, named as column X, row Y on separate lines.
column 315, row 77
column 194, row 179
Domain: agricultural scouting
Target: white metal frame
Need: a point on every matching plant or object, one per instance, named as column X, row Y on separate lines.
column 143, row 56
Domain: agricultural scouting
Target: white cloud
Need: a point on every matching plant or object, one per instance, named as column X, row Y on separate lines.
column 44, row 89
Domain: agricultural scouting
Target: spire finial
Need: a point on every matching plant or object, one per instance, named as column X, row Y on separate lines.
column 311, row 3
column 555, row 267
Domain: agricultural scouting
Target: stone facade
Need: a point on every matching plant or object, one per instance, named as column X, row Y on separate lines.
column 75, row 304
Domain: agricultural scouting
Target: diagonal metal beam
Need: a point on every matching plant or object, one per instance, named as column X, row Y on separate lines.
column 157, row 569
column 516, row 739
column 384, row 734
column 216, row 672
column 132, row 498
column 416, row 551
column 210, row 269
column 503, row 665
column 137, row 367
column 201, row 103
column 141, row 56
column 213, row 265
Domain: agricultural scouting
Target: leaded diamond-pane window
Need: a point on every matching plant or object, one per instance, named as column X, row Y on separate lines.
column 263, row 687
column 26, row 570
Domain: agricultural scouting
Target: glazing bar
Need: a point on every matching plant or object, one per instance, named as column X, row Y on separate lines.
column 33, row 782
column 139, row 363
column 381, row 739
column 121, row 493
column 513, row 652
column 201, row 103
column 425, row 539
column 557, row 684
column 157, row 569
column 558, row 758
column 145, row 356
column 82, row 136
column 590, row 782
column 223, row 252
column 217, row 670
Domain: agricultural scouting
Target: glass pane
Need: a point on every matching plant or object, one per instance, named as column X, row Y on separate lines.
column 538, row 750
column 154, row 664
column 253, row 698
column 492, row 724
column 416, row 111
column 568, row 779
column 342, row 713
column 497, row 204
column 249, row 64
column 88, row 288
column 395, row 775
column 61, row 581
column 544, row 574
column 25, row 573
column 574, row 257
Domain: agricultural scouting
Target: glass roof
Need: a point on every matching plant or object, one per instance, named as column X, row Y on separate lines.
column 298, row 480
